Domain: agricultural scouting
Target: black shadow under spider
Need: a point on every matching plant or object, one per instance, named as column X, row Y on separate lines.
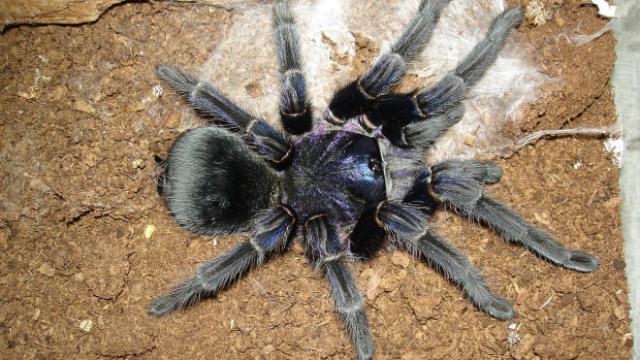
column 345, row 185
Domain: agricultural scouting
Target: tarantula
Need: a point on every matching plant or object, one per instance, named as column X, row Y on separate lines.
column 345, row 183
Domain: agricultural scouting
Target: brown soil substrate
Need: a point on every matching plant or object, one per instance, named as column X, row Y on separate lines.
column 78, row 131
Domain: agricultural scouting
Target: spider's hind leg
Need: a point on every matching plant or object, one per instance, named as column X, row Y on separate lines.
column 324, row 247
column 270, row 236
column 407, row 224
column 463, row 192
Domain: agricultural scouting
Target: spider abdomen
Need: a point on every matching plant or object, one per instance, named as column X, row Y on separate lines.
column 213, row 183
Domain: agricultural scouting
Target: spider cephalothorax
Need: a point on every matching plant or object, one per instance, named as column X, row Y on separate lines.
column 343, row 186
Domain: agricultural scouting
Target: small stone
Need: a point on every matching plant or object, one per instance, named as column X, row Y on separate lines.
column 149, row 230
column 79, row 277
column 138, row 164
column 47, row 270
column 620, row 312
column 157, row 91
column 86, row 325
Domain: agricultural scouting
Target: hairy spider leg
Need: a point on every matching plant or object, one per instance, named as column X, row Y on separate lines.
column 296, row 113
column 480, row 171
column 440, row 254
column 209, row 102
column 326, row 251
column 357, row 97
column 270, row 236
column 457, row 183
column 457, row 188
column 407, row 223
column 424, row 133
column 409, row 119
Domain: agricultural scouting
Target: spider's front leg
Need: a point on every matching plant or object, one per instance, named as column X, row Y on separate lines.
column 324, row 247
column 407, row 225
column 457, row 187
column 269, row 237
column 358, row 96
column 217, row 108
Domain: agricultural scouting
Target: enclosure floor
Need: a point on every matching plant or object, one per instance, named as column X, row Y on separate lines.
column 80, row 124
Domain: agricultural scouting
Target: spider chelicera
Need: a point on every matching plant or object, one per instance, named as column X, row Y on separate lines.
column 343, row 184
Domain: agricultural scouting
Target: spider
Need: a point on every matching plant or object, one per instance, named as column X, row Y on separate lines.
column 344, row 183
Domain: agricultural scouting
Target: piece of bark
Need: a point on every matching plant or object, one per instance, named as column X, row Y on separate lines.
column 14, row 12
column 52, row 11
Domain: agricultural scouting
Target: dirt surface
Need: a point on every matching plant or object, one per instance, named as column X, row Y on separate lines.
column 81, row 120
